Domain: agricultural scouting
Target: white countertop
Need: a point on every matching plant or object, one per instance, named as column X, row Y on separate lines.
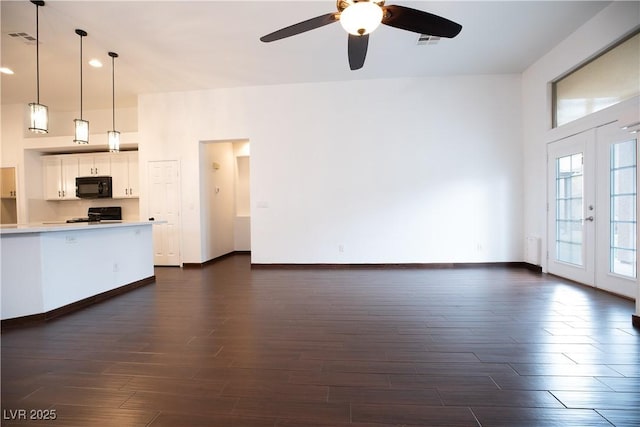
column 53, row 226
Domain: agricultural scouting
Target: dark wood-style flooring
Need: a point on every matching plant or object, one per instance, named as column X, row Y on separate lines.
column 228, row 346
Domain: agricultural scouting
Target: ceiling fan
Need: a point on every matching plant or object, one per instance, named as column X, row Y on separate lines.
column 360, row 17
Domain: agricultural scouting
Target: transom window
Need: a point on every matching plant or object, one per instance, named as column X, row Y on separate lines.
column 608, row 79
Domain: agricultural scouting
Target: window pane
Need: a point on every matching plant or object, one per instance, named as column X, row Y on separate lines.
column 576, row 163
column 623, row 209
column 576, row 186
column 623, row 235
column 623, row 181
column 569, row 209
column 564, row 166
column 623, row 262
column 569, row 252
column 606, row 80
column 623, row 154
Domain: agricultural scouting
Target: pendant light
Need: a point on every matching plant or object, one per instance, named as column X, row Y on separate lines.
column 81, row 126
column 113, row 135
column 39, row 114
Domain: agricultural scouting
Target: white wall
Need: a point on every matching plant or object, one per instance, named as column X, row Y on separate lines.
column 390, row 171
column 608, row 26
column 242, row 222
column 217, row 197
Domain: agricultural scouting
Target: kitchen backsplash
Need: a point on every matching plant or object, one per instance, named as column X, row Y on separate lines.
column 41, row 210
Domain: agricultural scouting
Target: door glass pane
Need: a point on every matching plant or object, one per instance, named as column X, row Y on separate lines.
column 569, row 209
column 623, row 209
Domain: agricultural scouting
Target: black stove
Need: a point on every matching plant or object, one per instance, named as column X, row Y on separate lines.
column 108, row 213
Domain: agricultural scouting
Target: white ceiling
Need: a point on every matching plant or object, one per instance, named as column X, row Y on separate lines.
column 192, row 45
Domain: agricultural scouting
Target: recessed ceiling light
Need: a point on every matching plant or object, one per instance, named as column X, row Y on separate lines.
column 5, row 70
column 95, row 63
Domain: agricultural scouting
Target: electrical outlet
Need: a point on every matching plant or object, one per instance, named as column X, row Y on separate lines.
column 115, row 267
column 341, row 248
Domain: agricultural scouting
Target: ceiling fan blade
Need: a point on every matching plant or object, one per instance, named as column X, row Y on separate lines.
column 418, row 21
column 301, row 27
column 357, row 50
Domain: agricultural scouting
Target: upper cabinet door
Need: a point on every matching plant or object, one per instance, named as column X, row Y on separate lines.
column 59, row 173
column 94, row 164
column 102, row 164
column 124, row 170
column 134, row 190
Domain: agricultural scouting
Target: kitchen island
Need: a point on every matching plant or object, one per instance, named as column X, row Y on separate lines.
column 50, row 269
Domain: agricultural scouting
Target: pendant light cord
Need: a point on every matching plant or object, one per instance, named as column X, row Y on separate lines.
column 37, row 56
column 80, row 76
column 113, row 91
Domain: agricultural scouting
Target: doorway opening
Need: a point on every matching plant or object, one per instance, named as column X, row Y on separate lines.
column 224, row 198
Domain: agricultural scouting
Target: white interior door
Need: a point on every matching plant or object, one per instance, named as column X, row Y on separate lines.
column 571, row 208
column 164, row 205
column 616, row 227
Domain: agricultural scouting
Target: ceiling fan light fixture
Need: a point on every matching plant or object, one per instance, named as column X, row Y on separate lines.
column 361, row 18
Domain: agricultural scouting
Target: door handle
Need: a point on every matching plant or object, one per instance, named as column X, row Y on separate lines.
column 589, row 218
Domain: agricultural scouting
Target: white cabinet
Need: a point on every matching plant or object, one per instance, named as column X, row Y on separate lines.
column 60, row 174
column 95, row 164
column 124, row 170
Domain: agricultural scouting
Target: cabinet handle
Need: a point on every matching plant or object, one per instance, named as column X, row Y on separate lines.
column 59, row 193
column 126, row 191
column 131, row 191
column 96, row 171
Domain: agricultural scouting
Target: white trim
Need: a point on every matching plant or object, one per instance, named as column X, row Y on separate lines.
column 622, row 112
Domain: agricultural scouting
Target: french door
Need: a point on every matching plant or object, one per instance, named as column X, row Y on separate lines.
column 592, row 215
column 571, row 206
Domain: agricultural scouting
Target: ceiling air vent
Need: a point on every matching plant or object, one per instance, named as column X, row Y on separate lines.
column 25, row 37
column 427, row 39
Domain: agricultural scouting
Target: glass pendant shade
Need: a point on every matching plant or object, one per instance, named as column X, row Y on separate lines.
column 39, row 118
column 114, row 140
column 113, row 135
column 361, row 18
column 82, row 131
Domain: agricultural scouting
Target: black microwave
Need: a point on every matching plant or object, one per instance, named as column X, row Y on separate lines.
column 93, row 187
